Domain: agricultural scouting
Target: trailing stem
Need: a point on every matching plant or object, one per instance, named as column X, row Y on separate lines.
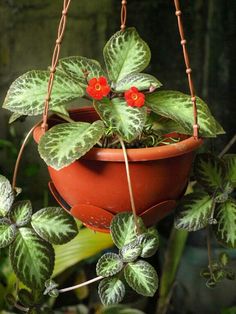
column 130, row 185
column 80, row 285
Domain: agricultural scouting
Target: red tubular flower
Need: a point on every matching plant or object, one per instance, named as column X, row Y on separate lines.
column 98, row 88
column 134, row 98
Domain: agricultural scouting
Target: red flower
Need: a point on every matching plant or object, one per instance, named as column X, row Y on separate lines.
column 98, row 88
column 134, row 98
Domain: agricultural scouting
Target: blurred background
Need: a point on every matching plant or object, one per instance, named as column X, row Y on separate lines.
column 27, row 36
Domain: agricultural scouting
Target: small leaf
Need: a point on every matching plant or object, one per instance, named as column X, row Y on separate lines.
column 127, row 121
column 205, row 273
column 53, row 293
column 210, row 172
column 32, row 258
column 66, row 142
column 211, row 283
column 178, row 107
column 141, row 81
column 7, row 233
column 26, row 95
column 123, row 229
column 193, row 212
column 54, row 225
column 230, row 274
column 111, row 290
column 10, row 299
column 149, row 242
column 230, row 161
column 219, row 275
column 25, row 297
column 142, row 277
column 6, row 196
column 226, row 227
column 81, row 68
column 109, row 264
column 125, row 53
column 21, row 213
column 131, row 251
column 224, row 259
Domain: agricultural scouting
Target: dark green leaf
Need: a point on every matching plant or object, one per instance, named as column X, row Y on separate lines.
column 123, row 229
column 6, row 196
column 10, row 299
column 230, row 161
column 226, row 226
column 25, row 297
column 178, row 107
column 66, row 142
column 21, row 213
column 111, row 290
column 210, row 172
column 194, row 211
column 141, row 81
column 109, row 264
column 211, row 283
column 125, row 120
column 26, row 95
column 149, row 242
column 230, row 274
column 224, row 259
column 32, row 258
column 7, row 233
column 125, row 53
column 54, row 225
column 142, row 277
column 131, row 251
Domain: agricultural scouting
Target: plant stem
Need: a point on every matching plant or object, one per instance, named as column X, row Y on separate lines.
column 209, row 250
column 81, row 284
column 130, row 185
column 228, row 146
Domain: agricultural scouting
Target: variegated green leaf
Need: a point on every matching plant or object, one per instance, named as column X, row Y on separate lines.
column 125, row 53
column 109, row 264
column 210, row 172
column 7, row 233
column 194, row 211
column 178, row 107
column 226, row 223
column 6, row 196
column 131, row 251
column 27, row 93
column 66, row 142
column 81, row 68
column 32, row 258
column 224, row 259
column 21, row 213
column 54, row 225
column 149, row 242
column 141, row 81
column 127, row 121
column 123, row 229
column 142, row 277
column 15, row 116
column 111, row 290
column 230, row 161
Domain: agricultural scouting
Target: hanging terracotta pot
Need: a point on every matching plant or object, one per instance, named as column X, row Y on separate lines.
column 95, row 187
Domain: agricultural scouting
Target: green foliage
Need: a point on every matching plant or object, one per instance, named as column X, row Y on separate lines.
column 230, row 162
column 20, row 213
column 141, row 81
column 124, row 120
column 142, row 277
column 149, row 243
column 109, row 264
column 64, row 143
column 111, row 290
column 7, row 233
column 120, row 309
column 6, row 196
column 26, row 95
column 131, row 251
column 54, row 225
column 125, row 53
column 178, row 107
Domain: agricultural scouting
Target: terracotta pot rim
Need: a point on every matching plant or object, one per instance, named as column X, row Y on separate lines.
column 134, row 154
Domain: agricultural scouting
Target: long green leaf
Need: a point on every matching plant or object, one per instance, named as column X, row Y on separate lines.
column 142, row 277
column 178, row 107
column 27, row 93
column 193, row 212
column 6, row 196
column 66, row 142
column 54, row 225
column 111, row 290
column 141, row 81
column 226, row 223
column 32, row 258
column 86, row 244
column 81, row 68
column 127, row 121
column 126, row 53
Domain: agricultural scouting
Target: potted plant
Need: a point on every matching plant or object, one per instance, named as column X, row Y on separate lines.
column 84, row 147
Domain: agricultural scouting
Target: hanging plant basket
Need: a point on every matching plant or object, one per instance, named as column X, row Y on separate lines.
column 95, row 187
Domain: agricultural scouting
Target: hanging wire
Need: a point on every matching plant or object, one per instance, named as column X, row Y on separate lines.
column 55, row 57
column 183, row 42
